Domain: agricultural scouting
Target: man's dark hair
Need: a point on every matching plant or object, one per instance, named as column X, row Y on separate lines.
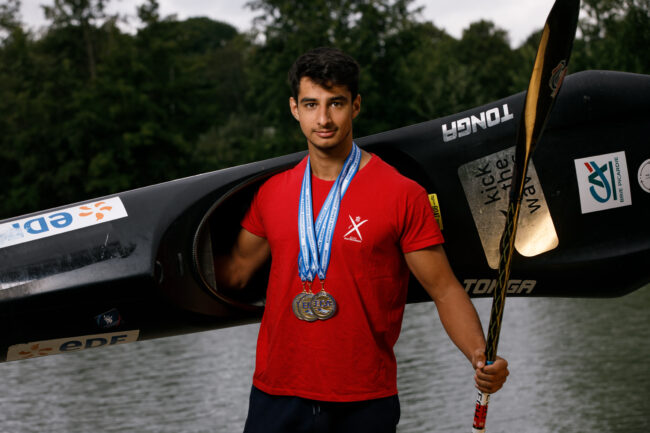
column 326, row 67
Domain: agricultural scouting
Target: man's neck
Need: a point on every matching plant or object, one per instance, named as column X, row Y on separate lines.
column 327, row 165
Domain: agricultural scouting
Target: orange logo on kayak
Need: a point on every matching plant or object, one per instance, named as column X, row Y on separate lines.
column 97, row 209
column 34, row 351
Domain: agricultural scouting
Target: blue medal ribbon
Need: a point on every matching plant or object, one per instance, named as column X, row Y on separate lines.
column 316, row 239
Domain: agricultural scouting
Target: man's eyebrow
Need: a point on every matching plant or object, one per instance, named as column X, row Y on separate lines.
column 332, row 99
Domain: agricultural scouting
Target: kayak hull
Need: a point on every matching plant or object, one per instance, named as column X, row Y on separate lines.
column 140, row 262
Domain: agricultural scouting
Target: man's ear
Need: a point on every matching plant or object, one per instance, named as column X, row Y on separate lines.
column 293, row 106
column 356, row 106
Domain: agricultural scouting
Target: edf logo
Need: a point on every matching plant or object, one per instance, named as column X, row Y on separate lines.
column 61, row 221
column 72, row 344
column 603, row 182
column 41, row 224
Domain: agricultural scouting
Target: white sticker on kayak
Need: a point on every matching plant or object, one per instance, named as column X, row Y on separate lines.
column 60, row 221
column 71, row 344
column 486, row 182
column 603, row 182
column 644, row 175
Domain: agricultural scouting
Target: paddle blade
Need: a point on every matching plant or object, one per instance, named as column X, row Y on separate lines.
column 548, row 73
column 550, row 67
column 546, row 79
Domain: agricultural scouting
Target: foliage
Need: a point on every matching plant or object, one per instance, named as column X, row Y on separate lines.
column 615, row 36
column 87, row 109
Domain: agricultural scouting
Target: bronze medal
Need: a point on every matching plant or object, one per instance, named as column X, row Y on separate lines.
column 301, row 304
column 295, row 305
column 304, row 308
column 323, row 305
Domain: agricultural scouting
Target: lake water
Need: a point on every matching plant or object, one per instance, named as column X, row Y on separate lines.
column 577, row 365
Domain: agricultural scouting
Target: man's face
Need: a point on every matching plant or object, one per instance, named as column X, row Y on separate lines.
column 325, row 115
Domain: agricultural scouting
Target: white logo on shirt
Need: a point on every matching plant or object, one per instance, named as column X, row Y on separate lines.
column 354, row 234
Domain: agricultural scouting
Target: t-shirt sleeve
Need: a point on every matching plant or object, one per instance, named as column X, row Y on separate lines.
column 253, row 221
column 420, row 228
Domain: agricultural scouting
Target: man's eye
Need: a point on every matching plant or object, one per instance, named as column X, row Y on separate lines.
column 310, row 105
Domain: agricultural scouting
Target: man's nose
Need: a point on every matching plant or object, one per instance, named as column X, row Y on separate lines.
column 324, row 115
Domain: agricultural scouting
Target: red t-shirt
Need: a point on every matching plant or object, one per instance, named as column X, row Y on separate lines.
column 348, row 357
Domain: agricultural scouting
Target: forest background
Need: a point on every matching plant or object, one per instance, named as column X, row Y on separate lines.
column 87, row 109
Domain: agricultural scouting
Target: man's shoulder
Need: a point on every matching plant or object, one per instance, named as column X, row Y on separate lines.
column 389, row 176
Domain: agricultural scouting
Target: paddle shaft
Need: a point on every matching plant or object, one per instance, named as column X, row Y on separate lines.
column 548, row 72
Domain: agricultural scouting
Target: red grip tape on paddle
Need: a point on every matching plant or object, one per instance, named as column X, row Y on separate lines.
column 480, row 413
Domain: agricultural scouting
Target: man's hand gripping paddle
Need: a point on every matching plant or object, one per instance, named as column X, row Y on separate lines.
column 549, row 70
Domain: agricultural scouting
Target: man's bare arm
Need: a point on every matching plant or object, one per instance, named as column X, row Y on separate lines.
column 247, row 255
column 457, row 313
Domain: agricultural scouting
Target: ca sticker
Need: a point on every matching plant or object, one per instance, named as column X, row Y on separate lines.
column 603, row 182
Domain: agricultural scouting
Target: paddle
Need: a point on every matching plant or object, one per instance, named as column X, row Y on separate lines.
column 548, row 72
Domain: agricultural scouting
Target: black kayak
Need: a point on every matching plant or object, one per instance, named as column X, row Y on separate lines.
column 138, row 264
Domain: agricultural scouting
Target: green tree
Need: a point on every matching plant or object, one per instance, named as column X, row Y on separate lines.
column 485, row 50
column 10, row 16
column 438, row 82
column 194, row 77
column 375, row 32
column 69, row 134
column 149, row 12
column 87, row 110
column 615, row 36
column 83, row 14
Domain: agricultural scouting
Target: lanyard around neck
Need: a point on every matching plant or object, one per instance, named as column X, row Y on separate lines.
column 316, row 239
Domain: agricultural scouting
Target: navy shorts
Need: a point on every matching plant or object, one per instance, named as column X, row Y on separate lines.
column 282, row 414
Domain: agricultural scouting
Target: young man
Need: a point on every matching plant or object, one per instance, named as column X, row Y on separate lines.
column 344, row 229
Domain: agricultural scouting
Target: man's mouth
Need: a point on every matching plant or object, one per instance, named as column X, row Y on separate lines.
column 326, row 133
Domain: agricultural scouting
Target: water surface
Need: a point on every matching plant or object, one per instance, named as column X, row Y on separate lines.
column 577, row 365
